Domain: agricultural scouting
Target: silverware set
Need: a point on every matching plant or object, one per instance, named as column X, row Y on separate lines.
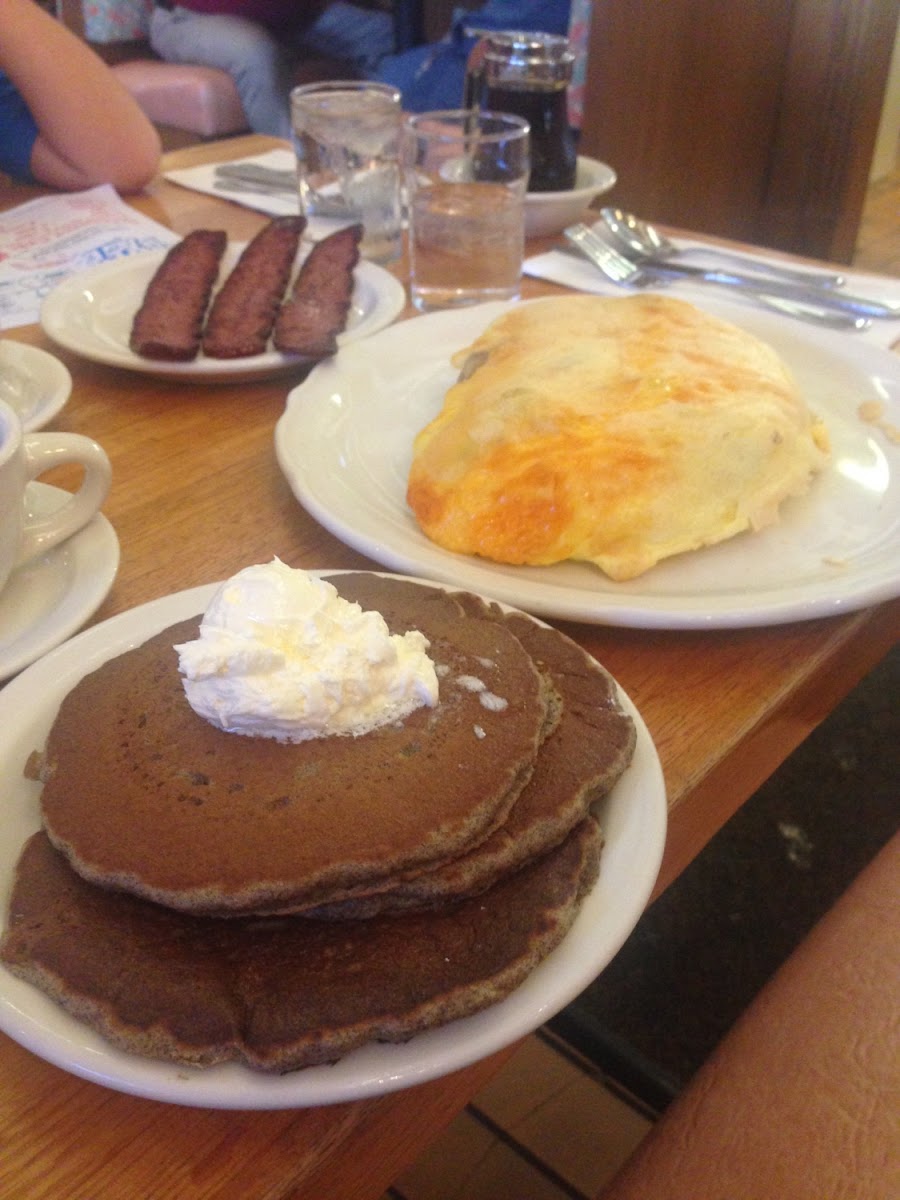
column 644, row 241
column 633, row 254
column 253, row 177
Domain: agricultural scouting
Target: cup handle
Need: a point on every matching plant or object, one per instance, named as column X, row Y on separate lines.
column 46, row 450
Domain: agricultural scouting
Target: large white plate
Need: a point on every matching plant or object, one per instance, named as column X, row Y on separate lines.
column 91, row 313
column 345, row 445
column 33, row 383
column 634, row 822
column 49, row 598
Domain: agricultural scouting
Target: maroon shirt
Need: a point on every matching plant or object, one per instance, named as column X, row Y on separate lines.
column 273, row 13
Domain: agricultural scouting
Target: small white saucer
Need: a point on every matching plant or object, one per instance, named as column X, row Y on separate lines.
column 46, row 600
column 33, row 383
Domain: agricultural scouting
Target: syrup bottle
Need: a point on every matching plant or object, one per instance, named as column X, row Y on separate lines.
column 528, row 74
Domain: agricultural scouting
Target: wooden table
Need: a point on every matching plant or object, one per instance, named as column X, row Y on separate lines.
column 196, row 495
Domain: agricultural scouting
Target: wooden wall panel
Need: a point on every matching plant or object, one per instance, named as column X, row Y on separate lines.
column 835, row 79
column 751, row 120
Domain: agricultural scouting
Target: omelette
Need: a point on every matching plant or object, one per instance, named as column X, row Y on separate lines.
column 616, row 431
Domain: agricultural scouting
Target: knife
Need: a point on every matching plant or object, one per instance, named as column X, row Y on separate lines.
column 270, row 179
column 840, row 300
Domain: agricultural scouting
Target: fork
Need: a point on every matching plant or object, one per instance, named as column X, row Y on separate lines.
column 831, row 311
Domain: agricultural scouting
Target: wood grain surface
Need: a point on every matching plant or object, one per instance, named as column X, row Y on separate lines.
column 197, row 494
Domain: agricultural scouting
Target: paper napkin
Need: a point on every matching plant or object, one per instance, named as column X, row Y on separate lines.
column 204, row 179
column 574, row 271
column 46, row 240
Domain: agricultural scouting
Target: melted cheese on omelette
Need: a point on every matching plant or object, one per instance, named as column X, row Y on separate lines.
column 619, row 431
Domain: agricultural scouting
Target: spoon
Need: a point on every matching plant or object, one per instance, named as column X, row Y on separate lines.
column 646, row 242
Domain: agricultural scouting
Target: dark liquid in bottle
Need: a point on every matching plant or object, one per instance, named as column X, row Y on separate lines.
column 553, row 153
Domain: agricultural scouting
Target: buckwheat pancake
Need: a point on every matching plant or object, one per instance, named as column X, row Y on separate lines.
column 280, row 993
column 590, row 746
column 613, row 430
column 143, row 795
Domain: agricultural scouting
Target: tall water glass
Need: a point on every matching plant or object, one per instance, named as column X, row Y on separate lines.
column 466, row 174
column 347, row 140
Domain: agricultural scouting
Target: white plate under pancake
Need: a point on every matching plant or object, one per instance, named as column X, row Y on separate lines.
column 634, row 822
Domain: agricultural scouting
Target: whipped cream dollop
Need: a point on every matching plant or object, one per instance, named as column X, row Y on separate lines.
column 282, row 655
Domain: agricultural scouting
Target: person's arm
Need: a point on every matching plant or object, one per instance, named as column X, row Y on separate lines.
column 90, row 129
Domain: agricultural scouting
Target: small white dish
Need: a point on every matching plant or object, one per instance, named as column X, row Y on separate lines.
column 91, row 313
column 547, row 213
column 48, row 599
column 633, row 816
column 33, row 383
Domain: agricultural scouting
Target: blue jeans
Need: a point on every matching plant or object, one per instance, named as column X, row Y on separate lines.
column 432, row 76
column 260, row 64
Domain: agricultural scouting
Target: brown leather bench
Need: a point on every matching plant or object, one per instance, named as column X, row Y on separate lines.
column 801, row 1100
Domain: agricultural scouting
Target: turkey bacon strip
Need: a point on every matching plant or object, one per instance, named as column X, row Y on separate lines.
column 319, row 304
column 169, row 323
column 244, row 309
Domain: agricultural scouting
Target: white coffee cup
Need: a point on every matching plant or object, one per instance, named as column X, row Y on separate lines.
column 25, row 456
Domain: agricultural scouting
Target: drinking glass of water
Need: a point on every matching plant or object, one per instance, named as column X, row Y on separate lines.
column 466, row 174
column 347, row 137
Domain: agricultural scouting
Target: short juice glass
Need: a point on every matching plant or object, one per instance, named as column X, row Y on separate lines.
column 466, row 174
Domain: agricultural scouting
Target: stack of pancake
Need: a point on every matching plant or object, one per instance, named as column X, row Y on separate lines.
column 201, row 897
